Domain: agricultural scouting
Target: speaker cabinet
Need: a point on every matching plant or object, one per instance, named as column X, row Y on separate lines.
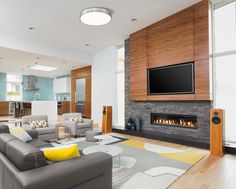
column 216, row 132
column 107, row 119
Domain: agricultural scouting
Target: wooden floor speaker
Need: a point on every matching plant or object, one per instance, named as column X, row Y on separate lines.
column 107, row 119
column 216, row 132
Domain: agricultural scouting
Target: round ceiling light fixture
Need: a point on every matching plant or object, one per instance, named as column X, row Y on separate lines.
column 95, row 16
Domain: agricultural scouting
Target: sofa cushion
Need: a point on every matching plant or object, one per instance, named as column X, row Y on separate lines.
column 4, row 139
column 27, row 119
column 61, row 153
column 39, row 143
column 20, row 133
column 4, row 129
column 24, row 156
column 83, row 125
column 46, row 130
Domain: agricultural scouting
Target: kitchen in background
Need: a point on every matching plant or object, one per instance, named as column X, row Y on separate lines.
column 25, row 89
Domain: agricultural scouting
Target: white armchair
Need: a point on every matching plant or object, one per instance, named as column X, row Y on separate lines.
column 48, row 133
column 76, row 129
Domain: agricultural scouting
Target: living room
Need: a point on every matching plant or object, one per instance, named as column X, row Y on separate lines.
column 117, row 94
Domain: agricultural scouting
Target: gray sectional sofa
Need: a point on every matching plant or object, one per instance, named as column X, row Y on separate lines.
column 23, row 166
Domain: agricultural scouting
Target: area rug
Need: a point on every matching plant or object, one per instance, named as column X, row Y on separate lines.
column 149, row 166
column 144, row 165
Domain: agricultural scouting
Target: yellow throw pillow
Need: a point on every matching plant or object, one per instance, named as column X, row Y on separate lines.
column 61, row 153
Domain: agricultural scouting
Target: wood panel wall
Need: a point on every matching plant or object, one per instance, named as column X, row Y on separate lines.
column 4, row 108
column 180, row 38
column 85, row 72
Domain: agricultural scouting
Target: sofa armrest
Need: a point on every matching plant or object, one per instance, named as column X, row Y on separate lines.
column 71, row 173
column 32, row 132
column 87, row 120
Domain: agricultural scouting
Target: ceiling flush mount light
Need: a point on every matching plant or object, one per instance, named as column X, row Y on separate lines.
column 95, row 16
column 43, row 68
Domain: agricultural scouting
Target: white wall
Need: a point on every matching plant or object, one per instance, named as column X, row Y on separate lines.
column 104, row 83
column 22, row 44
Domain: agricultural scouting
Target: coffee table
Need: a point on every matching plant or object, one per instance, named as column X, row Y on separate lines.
column 114, row 151
column 102, row 137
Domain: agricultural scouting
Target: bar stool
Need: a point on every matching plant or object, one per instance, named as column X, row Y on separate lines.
column 16, row 109
column 21, row 107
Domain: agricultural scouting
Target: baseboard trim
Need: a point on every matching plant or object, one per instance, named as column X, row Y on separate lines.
column 230, row 150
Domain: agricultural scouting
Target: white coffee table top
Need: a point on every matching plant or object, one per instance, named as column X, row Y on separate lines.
column 109, row 149
column 103, row 137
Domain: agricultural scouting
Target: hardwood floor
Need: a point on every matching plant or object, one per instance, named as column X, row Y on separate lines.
column 209, row 173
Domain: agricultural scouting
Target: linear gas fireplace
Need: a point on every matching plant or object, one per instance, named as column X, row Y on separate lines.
column 174, row 120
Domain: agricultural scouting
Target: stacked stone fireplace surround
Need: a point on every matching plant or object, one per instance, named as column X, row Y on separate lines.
column 144, row 109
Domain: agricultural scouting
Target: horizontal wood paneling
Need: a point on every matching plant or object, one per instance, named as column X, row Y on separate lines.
column 179, row 18
column 171, row 97
column 182, row 37
column 171, row 46
column 202, row 80
column 4, row 108
column 138, row 72
column 202, row 30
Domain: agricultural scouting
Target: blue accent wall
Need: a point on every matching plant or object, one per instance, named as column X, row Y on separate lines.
column 45, row 86
column 3, row 86
column 60, row 96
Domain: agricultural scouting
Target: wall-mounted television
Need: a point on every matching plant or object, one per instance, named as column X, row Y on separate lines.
column 174, row 79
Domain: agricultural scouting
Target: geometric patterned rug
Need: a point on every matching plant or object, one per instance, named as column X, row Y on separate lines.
column 144, row 165
column 150, row 166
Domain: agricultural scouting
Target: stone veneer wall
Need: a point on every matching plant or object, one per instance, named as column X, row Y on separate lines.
column 144, row 109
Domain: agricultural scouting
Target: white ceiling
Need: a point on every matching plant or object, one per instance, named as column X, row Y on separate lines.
column 59, row 32
column 18, row 62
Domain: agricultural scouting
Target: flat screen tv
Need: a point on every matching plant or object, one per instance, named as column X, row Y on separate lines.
column 176, row 79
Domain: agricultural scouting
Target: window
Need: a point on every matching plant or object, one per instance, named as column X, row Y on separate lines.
column 120, row 86
column 14, row 87
column 225, row 65
column 225, row 28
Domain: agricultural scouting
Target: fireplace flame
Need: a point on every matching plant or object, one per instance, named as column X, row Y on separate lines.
column 181, row 122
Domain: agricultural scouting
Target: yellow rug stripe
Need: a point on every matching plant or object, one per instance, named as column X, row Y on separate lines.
column 134, row 143
column 186, row 157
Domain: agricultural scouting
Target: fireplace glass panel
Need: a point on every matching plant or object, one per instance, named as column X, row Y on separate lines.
column 174, row 120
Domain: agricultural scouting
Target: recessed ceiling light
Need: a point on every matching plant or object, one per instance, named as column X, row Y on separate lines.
column 134, row 19
column 87, row 45
column 31, row 28
column 43, row 68
column 95, row 16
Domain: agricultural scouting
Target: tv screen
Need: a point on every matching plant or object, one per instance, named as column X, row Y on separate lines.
column 176, row 79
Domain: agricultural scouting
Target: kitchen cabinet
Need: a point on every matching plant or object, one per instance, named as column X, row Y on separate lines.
column 62, row 85
column 63, row 107
column 4, row 108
